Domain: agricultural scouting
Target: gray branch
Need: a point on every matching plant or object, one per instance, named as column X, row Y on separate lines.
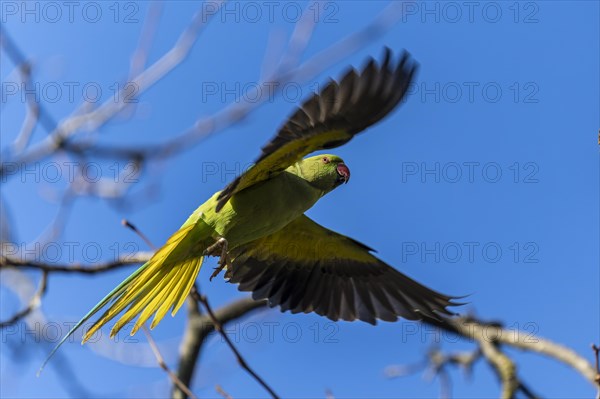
column 491, row 336
column 198, row 328
column 7, row 261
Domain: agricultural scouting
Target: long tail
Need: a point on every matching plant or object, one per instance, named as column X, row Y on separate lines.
column 160, row 284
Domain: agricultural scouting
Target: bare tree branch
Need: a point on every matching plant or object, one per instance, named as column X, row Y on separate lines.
column 34, row 303
column 472, row 328
column 35, row 111
column 241, row 107
column 227, row 117
column 7, row 261
column 505, row 368
column 140, row 55
column 199, row 327
column 490, row 337
column 218, row 326
column 95, row 118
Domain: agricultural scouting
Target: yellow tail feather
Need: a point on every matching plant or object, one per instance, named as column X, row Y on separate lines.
column 161, row 284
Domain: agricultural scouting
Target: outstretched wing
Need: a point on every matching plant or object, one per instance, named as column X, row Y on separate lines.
column 307, row 268
column 331, row 118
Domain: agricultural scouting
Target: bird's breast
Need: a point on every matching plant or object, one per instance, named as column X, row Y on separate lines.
column 264, row 208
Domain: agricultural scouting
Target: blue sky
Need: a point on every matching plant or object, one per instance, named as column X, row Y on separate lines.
column 485, row 182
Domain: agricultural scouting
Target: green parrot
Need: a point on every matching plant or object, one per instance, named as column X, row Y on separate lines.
column 266, row 244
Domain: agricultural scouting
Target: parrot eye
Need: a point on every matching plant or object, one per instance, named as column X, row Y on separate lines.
column 325, row 160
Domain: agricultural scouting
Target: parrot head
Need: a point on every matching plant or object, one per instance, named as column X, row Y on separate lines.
column 325, row 171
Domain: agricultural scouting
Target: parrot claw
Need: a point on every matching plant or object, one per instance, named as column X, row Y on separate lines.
column 219, row 249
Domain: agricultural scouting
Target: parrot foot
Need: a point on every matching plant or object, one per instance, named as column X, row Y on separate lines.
column 219, row 249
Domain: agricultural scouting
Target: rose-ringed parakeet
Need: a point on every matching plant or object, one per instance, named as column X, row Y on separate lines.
column 266, row 243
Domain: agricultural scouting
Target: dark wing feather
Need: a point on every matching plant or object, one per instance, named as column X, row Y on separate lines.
column 307, row 268
column 331, row 118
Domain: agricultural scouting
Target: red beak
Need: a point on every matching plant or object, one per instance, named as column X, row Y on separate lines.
column 344, row 172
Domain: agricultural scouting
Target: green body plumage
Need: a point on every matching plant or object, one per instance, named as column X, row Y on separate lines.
column 268, row 206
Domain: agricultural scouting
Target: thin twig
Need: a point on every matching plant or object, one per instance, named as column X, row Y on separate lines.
column 7, row 261
column 303, row 32
column 194, row 336
column 219, row 328
column 32, row 110
column 596, row 350
column 222, row 392
column 437, row 362
column 149, row 28
column 131, row 226
column 35, row 110
column 527, row 391
column 34, row 303
column 161, row 362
